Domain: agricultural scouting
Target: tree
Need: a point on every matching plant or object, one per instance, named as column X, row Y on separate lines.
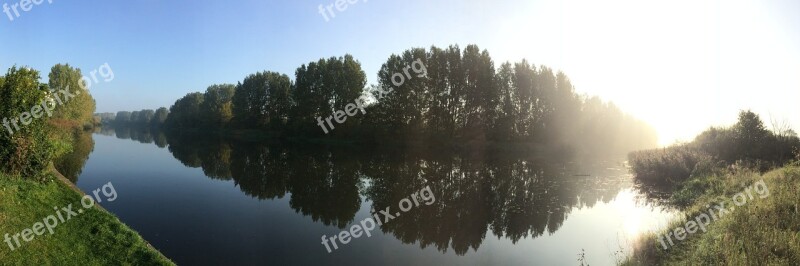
column 24, row 146
column 782, row 129
column 185, row 113
column 749, row 134
column 312, row 96
column 145, row 116
column 457, row 97
column 217, row 108
column 407, row 101
column 136, row 117
column 505, row 129
column 279, row 101
column 123, row 117
column 262, row 99
column 160, row 117
column 325, row 86
column 480, row 99
column 80, row 108
column 440, row 100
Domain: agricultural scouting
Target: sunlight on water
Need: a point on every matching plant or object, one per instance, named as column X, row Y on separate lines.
column 620, row 223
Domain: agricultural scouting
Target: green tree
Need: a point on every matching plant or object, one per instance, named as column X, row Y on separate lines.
column 279, row 101
column 440, row 101
column 160, row 117
column 505, row 128
column 185, row 113
column 146, row 116
column 123, row 117
column 312, row 96
column 526, row 100
column 750, row 134
column 262, row 99
column 136, row 117
column 481, row 92
column 217, row 108
column 25, row 150
column 80, row 108
column 325, row 86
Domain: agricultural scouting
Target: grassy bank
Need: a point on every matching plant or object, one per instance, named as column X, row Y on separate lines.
column 94, row 237
column 763, row 231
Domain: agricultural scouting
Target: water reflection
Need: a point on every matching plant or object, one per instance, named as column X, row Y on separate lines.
column 71, row 164
column 508, row 195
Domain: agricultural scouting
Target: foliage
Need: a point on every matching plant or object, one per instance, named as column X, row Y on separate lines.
column 186, row 112
column 323, row 87
column 674, row 164
column 262, row 99
column 145, row 117
column 748, row 140
column 82, row 106
column 746, row 144
column 217, row 108
column 760, row 232
column 123, row 117
column 76, row 146
column 26, row 151
column 160, row 117
column 460, row 97
column 105, row 118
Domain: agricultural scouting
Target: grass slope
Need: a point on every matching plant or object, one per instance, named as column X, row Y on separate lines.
column 763, row 231
column 94, row 237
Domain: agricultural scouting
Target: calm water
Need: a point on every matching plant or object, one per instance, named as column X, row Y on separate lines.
column 209, row 201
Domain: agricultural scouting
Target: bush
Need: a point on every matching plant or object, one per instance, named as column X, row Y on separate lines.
column 750, row 142
column 25, row 151
column 676, row 163
column 747, row 144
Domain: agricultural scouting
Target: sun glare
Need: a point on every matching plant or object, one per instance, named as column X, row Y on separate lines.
column 679, row 74
column 636, row 218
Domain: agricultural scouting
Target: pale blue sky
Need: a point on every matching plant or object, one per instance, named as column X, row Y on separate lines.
column 680, row 65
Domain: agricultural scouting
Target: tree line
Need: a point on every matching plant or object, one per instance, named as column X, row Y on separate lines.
column 464, row 99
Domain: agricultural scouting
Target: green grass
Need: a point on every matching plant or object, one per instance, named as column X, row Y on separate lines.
column 764, row 231
column 94, row 237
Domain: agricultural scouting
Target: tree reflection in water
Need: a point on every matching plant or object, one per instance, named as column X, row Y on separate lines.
column 510, row 195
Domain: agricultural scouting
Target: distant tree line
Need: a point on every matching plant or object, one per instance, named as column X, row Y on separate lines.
column 142, row 118
column 464, row 99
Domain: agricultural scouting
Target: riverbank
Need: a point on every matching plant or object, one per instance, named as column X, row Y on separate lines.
column 763, row 231
column 95, row 237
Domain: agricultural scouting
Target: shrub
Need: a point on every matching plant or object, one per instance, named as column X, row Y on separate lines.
column 26, row 151
column 676, row 163
column 747, row 144
column 750, row 142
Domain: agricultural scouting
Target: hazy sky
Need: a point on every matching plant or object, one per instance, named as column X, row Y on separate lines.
column 679, row 65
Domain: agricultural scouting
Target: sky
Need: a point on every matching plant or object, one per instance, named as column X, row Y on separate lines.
column 681, row 66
